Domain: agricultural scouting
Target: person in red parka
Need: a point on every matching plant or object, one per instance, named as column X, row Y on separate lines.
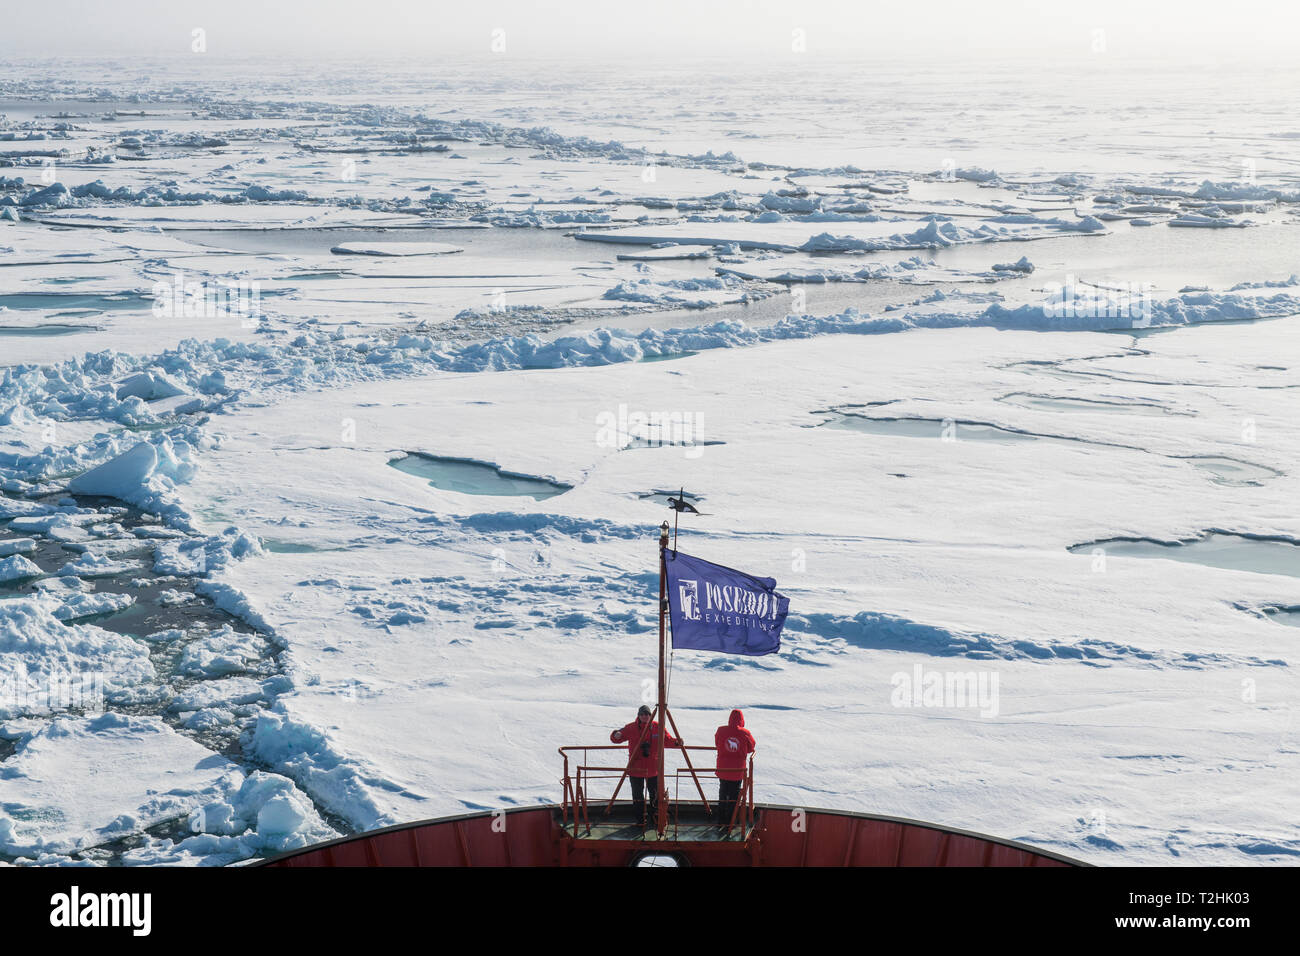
column 642, row 737
column 734, row 744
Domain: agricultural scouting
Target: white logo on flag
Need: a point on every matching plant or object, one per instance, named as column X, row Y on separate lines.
column 689, row 598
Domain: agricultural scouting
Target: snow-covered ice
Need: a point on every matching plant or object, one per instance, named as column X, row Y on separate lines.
column 954, row 394
column 83, row 783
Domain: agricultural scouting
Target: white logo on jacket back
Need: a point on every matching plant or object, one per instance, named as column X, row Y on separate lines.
column 733, row 745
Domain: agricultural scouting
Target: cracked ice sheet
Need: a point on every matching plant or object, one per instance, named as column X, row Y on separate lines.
column 890, row 233
column 265, row 215
column 1251, row 360
column 753, row 111
column 42, row 261
column 490, row 173
column 373, row 293
column 522, row 616
column 81, row 782
column 358, row 290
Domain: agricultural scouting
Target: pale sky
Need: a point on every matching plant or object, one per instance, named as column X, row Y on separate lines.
column 588, row 30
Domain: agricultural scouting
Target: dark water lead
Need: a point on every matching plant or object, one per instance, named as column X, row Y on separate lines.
column 1230, row 471
column 1216, row 549
column 668, row 357
column 148, row 615
column 1219, row 469
column 16, row 331
column 471, row 477
column 1284, row 615
column 944, row 429
column 168, row 616
column 283, row 546
column 1065, row 403
column 313, row 276
column 125, row 301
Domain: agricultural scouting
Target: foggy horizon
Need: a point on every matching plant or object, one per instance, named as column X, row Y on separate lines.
column 668, row 32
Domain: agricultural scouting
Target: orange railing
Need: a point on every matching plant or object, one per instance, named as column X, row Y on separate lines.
column 576, row 804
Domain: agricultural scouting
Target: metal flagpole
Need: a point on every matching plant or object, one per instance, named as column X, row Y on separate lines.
column 681, row 498
column 661, row 822
column 666, row 716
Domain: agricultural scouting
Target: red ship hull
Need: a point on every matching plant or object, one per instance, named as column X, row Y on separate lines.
column 781, row 836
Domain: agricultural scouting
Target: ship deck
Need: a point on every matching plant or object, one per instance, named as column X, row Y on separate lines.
column 686, row 824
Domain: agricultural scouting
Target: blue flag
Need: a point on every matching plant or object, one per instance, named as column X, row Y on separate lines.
column 713, row 608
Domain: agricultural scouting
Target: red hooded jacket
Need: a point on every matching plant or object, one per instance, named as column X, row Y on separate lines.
column 638, row 765
column 734, row 744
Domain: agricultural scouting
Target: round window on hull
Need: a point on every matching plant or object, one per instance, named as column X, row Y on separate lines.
column 660, row 859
